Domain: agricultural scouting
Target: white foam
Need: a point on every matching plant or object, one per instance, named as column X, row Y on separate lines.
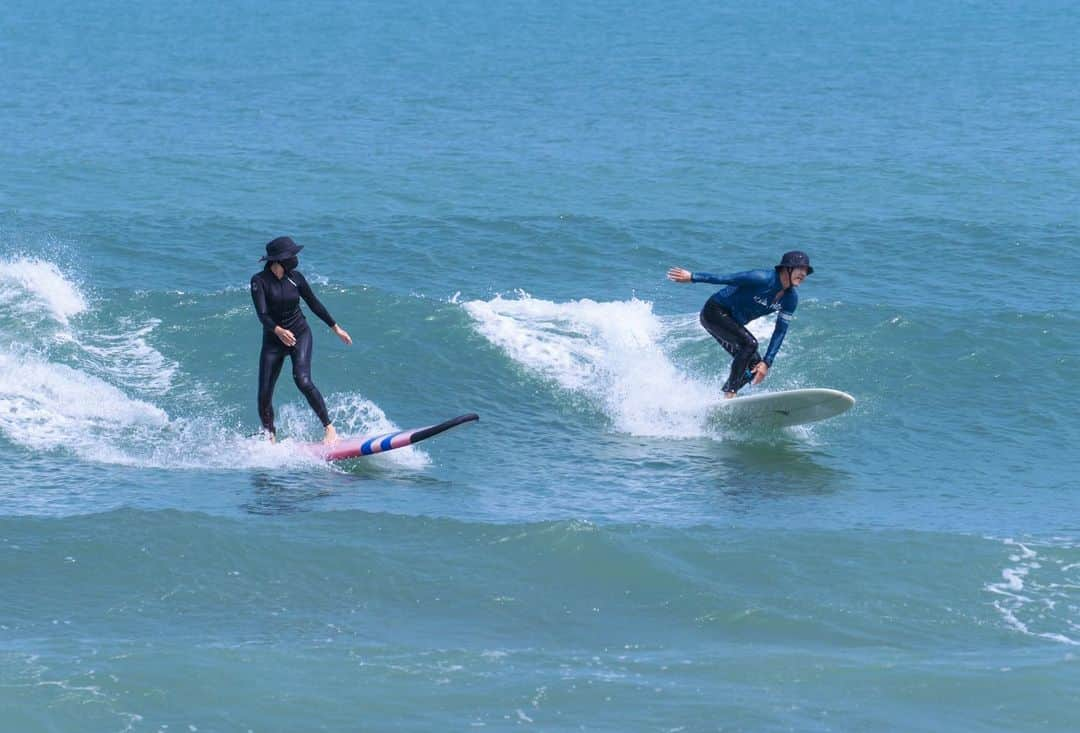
column 614, row 353
column 355, row 416
column 47, row 406
column 125, row 355
column 1029, row 602
column 45, row 302
column 32, row 285
column 1014, row 580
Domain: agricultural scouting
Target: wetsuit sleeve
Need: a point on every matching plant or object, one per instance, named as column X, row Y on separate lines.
column 750, row 277
column 262, row 310
column 787, row 311
column 309, row 297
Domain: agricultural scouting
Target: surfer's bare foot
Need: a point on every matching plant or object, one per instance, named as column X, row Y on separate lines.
column 331, row 435
column 273, row 437
column 729, row 395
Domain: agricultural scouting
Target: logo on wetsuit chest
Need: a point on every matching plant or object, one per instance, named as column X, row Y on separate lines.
column 764, row 302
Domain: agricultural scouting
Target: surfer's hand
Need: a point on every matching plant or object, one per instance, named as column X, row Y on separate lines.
column 760, row 370
column 679, row 275
column 343, row 335
column 285, row 335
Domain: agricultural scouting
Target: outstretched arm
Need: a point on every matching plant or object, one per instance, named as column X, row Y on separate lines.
column 320, row 310
column 681, row 275
column 314, row 303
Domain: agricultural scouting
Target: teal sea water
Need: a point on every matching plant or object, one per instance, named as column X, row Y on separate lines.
column 489, row 195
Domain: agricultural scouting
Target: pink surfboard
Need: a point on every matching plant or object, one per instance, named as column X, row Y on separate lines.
column 370, row 444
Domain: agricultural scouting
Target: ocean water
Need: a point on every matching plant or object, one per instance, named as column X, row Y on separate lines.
column 489, row 195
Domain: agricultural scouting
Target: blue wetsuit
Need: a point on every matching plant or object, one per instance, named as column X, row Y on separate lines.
column 749, row 296
column 277, row 303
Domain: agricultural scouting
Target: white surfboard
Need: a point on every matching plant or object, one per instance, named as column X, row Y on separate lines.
column 781, row 409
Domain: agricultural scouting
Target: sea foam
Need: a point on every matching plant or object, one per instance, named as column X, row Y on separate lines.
column 618, row 354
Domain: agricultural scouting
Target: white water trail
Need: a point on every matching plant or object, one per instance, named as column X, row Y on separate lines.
column 617, row 354
column 73, row 381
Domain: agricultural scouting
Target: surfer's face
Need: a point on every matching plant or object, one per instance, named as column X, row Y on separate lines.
column 277, row 269
column 797, row 275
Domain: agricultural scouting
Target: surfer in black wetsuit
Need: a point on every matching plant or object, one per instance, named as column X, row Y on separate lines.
column 276, row 292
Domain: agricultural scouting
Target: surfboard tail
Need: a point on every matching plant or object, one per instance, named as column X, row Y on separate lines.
column 370, row 445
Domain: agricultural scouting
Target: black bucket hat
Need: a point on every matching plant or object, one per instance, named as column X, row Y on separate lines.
column 795, row 258
column 281, row 248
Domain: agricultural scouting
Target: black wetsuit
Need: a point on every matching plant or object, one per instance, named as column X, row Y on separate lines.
column 277, row 303
column 736, row 340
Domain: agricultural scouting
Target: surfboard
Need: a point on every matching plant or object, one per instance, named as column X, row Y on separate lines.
column 782, row 409
column 371, row 444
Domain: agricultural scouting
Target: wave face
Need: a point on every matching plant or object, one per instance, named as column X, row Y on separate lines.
column 593, row 543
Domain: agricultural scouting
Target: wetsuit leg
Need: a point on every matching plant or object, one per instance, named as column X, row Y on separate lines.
column 736, row 340
column 271, row 358
column 301, row 370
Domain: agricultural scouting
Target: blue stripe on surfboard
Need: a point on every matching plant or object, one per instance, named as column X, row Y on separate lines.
column 385, row 444
column 365, row 449
column 378, row 444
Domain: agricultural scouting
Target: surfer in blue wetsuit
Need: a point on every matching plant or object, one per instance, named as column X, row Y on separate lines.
column 749, row 295
column 276, row 292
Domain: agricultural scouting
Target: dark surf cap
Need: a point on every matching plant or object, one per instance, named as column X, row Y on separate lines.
column 281, row 248
column 795, row 258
